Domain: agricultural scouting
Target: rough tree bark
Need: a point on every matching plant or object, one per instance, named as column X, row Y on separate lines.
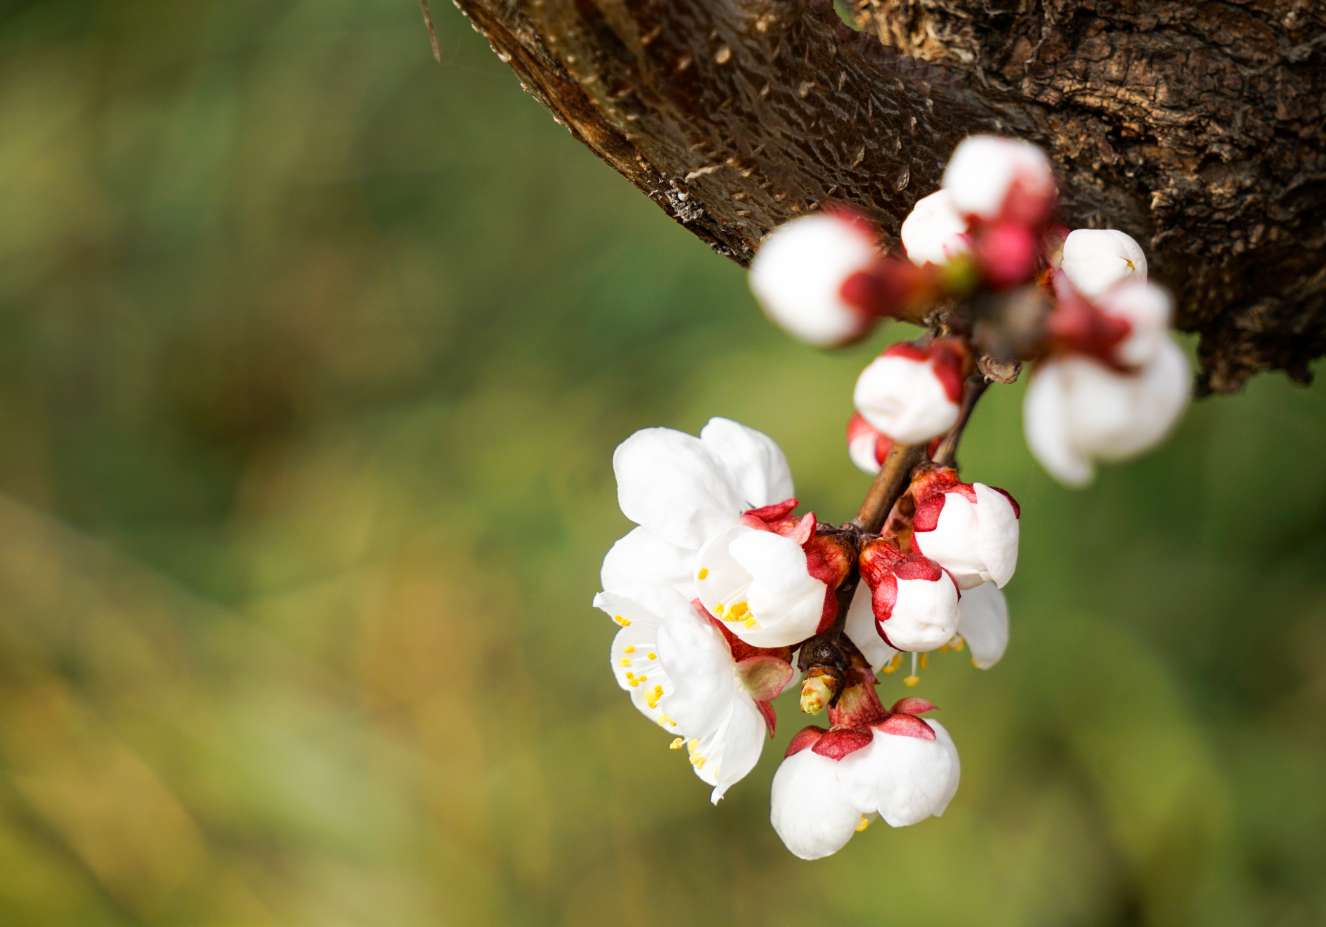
column 1196, row 126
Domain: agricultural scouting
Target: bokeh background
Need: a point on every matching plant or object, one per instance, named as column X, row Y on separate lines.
column 314, row 356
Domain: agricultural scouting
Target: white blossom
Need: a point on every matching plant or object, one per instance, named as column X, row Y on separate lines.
column 688, row 495
column 934, row 232
column 1096, row 259
column 983, row 624
column 1078, row 411
column 904, row 779
column 798, row 275
column 680, row 674
column 971, row 530
column 811, row 810
column 911, row 393
column 1000, row 178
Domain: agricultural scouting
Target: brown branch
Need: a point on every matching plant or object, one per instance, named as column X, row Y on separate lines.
column 890, row 483
column 1197, row 130
column 972, row 392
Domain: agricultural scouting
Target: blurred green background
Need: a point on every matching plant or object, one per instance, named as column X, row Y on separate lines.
column 315, row 355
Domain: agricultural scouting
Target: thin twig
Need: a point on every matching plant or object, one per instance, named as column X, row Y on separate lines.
column 889, row 484
column 947, row 451
column 432, row 31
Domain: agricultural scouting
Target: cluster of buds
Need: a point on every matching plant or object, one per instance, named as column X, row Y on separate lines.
column 726, row 597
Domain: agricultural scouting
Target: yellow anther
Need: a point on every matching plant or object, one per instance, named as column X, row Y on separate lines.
column 655, row 694
column 677, row 743
column 892, row 665
column 665, row 720
column 862, row 824
column 703, row 574
column 749, row 623
column 651, row 655
column 719, row 609
column 624, row 622
column 739, row 609
column 697, row 762
column 1131, row 266
column 626, row 661
column 911, row 681
column 957, row 644
column 630, row 648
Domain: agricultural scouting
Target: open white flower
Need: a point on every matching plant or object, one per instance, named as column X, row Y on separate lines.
column 1096, row 259
column 969, row 529
column 798, row 275
column 688, row 496
column 934, row 232
column 1000, row 178
column 912, row 393
column 681, row 674
column 1078, row 411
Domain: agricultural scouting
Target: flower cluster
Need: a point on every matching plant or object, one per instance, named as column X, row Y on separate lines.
column 726, row 597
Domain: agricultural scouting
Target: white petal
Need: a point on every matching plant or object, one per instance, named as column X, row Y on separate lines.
column 983, row 624
column 1096, row 259
column 861, row 450
column 670, row 483
column 925, row 614
column 700, row 666
column 904, row 399
column 913, row 779
column 810, row 809
column 755, row 464
column 1045, row 422
column 644, row 558
column 1147, row 309
column 798, row 273
column 727, row 754
column 861, row 630
column 785, row 601
column 934, row 232
column 975, row 541
column 635, row 658
column 1164, row 389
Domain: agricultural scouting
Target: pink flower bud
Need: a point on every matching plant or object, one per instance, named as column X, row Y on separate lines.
column 912, row 393
column 934, row 232
column 803, row 277
column 1009, row 254
column 914, row 600
column 970, row 529
column 995, row 178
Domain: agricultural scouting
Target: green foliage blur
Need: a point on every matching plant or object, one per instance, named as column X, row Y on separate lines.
column 314, row 356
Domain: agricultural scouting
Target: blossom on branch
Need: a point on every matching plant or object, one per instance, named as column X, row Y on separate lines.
column 969, row 529
column 913, row 392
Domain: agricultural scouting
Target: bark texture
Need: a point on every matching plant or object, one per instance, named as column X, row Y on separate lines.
column 1198, row 127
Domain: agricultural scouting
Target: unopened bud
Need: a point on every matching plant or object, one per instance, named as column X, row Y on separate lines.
column 819, row 689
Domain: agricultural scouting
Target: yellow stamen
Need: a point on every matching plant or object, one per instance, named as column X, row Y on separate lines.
column 862, row 824
column 676, row 743
column 665, row 720
column 651, row 655
column 910, row 681
column 654, row 695
column 629, row 649
column 624, row 622
column 626, row 661
column 738, row 610
column 958, row 644
column 892, row 666
column 703, row 574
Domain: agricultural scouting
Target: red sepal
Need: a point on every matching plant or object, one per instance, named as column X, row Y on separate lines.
column 841, row 742
column 913, row 705
column 767, row 515
column 806, row 737
column 905, row 726
column 764, row 676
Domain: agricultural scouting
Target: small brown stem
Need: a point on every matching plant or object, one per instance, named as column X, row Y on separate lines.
column 888, row 486
column 947, row 451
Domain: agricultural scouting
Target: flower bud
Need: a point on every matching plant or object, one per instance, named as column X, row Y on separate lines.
column 970, row 529
column 934, row 232
column 1078, row 411
column 1097, row 259
column 996, row 178
column 905, row 777
column 818, row 690
column 913, row 393
column 914, row 601
column 800, row 271
column 810, row 809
